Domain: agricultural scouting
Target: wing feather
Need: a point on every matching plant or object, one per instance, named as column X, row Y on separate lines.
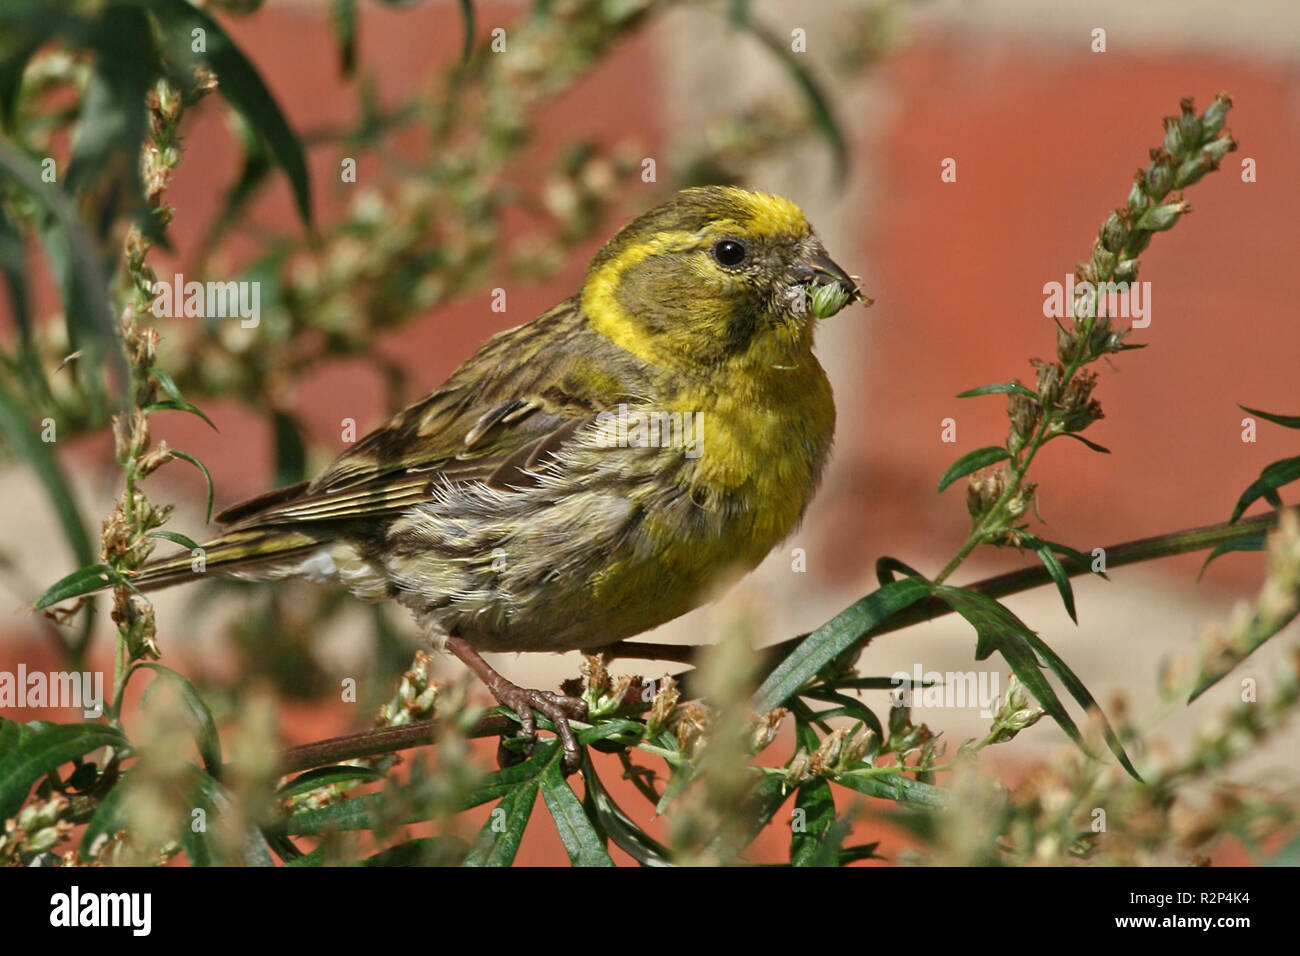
column 498, row 419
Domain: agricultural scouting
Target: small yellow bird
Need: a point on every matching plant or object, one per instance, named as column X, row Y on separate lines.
column 590, row 474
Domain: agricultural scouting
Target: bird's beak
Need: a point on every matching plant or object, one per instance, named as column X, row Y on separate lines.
column 821, row 270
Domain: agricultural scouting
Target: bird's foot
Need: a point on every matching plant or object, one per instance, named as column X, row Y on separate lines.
column 556, row 708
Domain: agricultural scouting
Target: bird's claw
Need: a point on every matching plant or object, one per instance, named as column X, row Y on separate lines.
column 556, row 708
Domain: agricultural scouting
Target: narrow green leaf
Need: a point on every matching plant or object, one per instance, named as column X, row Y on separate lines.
column 196, row 713
column 849, row 707
column 79, row 270
column 814, row 816
column 26, row 443
column 498, row 841
column 467, row 16
column 996, row 628
column 972, row 461
column 1286, row 421
column 1091, row 444
column 343, row 16
column 241, row 86
column 202, row 846
column 1081, row 560
column 1001, row 388
column 893, row 786
column 581, row 841
column 1252, row 542
column 326, row 776
column 1083, row 697
column 207, row 477
column 178, row 401
column 175, row 537
column 357, row 813
column 79, row 582
column 887, row 567
column 618, row 826
column 1061, row 579
column 1270, row 479
column 834, row 637
column 36, row 754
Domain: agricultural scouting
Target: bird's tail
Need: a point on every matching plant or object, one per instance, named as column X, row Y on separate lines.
column 255, row 554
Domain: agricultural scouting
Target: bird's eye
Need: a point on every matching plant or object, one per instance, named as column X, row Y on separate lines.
column 730, row 252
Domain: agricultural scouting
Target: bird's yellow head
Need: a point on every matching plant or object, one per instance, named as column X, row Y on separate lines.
column 713, row 273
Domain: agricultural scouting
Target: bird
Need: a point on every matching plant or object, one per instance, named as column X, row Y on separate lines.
column 590, row 474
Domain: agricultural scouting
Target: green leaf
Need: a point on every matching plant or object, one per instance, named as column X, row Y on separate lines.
column 467, row 15
column 886, row 567
column 26, row 443
column 893, row 786
column 1062, row 580
column 1286, row 421
column 1250, row 542
column 501, row 782
column 242, row 87
column 178, row 402
column 34, row 754
column 1078, row 558
column 79, row 582
column 203, row 846
column 327, row 776
column 207, row 477
column 358, row 813
column 1001, row 388
column 617, row 825
column 343, row 17
column 498, row 841
column 176, row 538
column 997, row 629
column 195, row 711
column 834, row 637
column 78, row 268
column 972, row 461
column 806, row 839
column 1270, row 479
column 581, row 841
column 1091, row 444
column 1084, row 699
column 849, row 707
